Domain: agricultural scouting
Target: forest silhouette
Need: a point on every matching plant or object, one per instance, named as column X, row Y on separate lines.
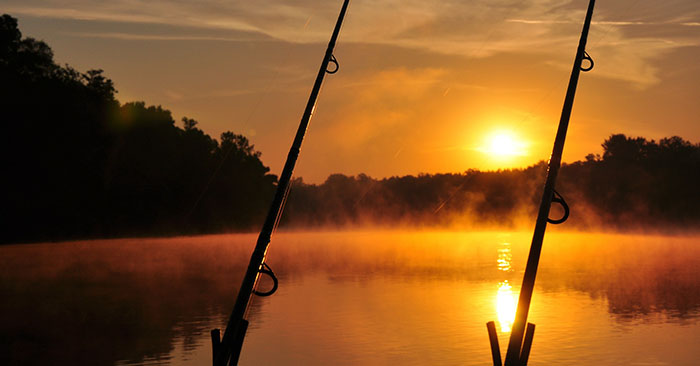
column 636, row 184
column 79, row 164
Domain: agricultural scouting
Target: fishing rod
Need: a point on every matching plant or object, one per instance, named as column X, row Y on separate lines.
column 519, row 348
column 227, row 350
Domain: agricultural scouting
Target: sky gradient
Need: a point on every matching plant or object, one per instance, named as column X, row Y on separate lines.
column 421, row 86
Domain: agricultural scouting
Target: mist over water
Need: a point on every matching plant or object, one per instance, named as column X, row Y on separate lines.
column 352, row 298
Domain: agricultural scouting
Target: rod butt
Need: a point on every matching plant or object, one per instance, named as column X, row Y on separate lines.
column 493, row 339
column 238, row 343
column 215, row 344
column 527, row 344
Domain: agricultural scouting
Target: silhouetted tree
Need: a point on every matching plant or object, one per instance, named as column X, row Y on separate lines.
column 636, row 183
column 79, row 164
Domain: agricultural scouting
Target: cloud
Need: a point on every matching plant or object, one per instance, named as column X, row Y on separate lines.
column 478, row 28
column 129, row 12
column 157, row 37
column 632, row 60
column 385, row 93
column 538, row 21
column 601, row 22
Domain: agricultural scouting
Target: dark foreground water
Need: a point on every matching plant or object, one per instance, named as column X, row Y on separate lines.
column 352, row 298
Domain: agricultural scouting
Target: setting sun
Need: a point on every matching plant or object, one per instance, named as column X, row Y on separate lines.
column 503, row 144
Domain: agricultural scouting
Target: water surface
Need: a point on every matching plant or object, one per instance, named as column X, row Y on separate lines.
column 352, row 298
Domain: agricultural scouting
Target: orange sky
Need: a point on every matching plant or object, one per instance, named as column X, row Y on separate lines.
column 422, row 84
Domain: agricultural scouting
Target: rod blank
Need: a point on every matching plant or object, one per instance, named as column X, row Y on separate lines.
column 515, row 343
column 228, row 351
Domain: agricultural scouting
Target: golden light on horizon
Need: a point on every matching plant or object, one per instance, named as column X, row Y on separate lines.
column 503, row 145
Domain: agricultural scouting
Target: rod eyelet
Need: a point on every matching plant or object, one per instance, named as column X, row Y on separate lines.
column 587, row 57
column 334, row 61
column 267, row 271
column 560, row 200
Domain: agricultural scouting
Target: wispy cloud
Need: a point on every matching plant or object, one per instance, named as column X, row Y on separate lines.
column 538, row 21
column 600, row 22
column 157, row 37
column 389, row 91
column 478, row 28
column 622, row 23
column 126, row 15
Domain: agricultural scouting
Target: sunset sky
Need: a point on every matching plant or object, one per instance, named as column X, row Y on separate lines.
column 424, row 86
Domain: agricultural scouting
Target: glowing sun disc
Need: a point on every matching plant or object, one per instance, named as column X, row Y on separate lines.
column 503, row 144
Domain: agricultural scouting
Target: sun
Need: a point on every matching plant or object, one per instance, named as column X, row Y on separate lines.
column 503, row 144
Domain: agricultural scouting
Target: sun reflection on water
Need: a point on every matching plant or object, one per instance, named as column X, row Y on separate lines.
column 505, row 306
column 504, row 258
column 505, row 299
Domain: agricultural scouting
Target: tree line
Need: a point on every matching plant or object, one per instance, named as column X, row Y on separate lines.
column 77, row 163
column 80, row 164
column 636, row 183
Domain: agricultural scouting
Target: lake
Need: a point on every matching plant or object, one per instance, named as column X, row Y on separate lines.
column 352, row 298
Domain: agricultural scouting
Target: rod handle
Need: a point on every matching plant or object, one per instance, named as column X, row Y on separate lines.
column 215, row 343
column 493, row 339
column 237, row 345
column 527, row 344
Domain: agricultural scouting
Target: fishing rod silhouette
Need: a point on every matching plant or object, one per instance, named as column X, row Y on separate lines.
column 521, row 338
column 227, row 350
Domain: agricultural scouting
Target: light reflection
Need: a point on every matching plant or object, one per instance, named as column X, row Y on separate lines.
column 504, row 258
column 505, row 299
column 505, row 306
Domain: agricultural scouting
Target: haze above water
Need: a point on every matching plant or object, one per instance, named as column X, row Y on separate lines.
column 352, row 298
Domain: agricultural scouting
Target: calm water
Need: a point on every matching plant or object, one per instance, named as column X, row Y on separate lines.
column 352, row 298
